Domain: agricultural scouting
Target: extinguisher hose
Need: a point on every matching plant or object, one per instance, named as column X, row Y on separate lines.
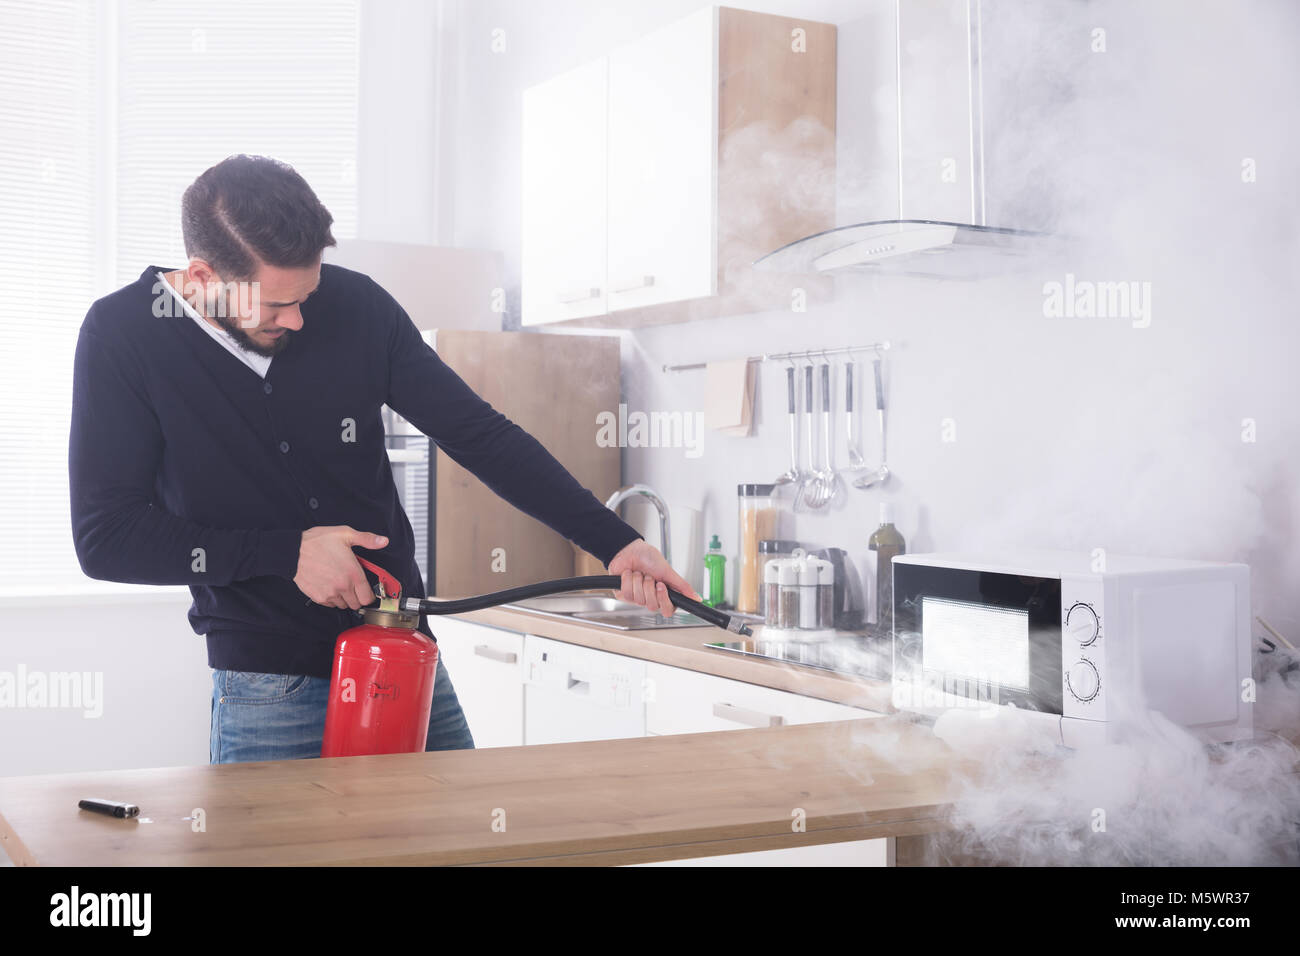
column 594, row 582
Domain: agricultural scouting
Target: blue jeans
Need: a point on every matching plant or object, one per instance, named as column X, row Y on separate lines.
column 282, row 716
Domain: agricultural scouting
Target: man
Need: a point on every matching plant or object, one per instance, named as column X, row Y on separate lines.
column 227, row 434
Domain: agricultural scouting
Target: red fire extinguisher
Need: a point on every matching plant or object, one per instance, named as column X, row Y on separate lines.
column 381, row 689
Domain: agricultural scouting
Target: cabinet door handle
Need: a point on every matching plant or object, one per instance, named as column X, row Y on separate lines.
column 631, row 285
column 577, row 295
column 742, row 715
column 492, row 654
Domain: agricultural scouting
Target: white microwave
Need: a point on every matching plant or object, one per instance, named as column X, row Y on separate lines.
column 1076, row 642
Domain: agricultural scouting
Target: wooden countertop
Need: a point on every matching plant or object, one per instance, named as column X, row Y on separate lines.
column 602, row 802
column 685, row 647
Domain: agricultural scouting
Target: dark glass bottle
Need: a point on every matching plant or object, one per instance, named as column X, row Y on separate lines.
column 888, row 544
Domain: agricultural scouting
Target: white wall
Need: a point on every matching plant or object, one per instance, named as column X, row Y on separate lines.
column 152, row 669
column 398, row 126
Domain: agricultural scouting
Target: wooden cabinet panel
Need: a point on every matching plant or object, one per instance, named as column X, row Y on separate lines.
column 552, row 386
column 776, row 141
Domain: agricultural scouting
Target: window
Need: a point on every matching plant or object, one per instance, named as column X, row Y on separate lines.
column 199, row 81
column 48, row 249
column 107, row 111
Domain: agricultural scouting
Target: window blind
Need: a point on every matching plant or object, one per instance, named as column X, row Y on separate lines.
column 109, row 110
column 200, row 81
column 48, row 219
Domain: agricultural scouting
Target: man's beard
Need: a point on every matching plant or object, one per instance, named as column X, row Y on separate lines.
column 245, row 341
column 221, row 313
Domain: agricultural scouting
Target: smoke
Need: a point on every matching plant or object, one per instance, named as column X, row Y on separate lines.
column 1117, row 125
column 1155, row 796
column 1112, row 126
column 1277, row 708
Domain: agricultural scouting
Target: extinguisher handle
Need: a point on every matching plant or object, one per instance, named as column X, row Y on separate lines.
column 388, row 584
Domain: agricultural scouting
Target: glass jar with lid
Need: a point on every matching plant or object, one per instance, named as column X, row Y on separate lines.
column 758, row 514
column 769, row 550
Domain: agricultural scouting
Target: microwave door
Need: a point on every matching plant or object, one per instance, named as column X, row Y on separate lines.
column 979, row 636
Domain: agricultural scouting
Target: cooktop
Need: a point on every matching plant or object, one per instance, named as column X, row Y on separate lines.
column 858, row 653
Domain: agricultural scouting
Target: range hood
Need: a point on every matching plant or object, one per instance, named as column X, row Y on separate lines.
column 919, row 247
column 911, row 148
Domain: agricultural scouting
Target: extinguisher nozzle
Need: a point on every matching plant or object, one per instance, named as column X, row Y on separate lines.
column 736, row 626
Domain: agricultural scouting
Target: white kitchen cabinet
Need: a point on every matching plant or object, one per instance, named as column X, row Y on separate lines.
column 687, row 702
column 663, row 147
column 563, row 225
column 716, row 145
column 574, row 693
column 487, row 670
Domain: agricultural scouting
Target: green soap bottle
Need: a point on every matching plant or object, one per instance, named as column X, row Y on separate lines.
column 714, row 591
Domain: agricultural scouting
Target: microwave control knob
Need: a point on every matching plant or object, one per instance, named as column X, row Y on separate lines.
column 1083, row 680
column 1081, row 624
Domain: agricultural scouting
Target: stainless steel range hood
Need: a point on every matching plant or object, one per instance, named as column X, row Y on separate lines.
column 911, row 150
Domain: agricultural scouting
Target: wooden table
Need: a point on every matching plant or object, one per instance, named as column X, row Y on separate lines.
column 603, row 802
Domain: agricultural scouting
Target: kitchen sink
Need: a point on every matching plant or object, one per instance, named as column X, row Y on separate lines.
column 576, row 604
column 604, row 611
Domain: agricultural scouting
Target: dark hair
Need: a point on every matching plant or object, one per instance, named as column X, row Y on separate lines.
column 248, row 210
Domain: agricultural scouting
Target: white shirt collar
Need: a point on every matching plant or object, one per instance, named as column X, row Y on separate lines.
column 260, row 364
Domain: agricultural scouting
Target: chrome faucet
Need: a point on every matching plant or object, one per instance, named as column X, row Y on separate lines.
column 623, row 494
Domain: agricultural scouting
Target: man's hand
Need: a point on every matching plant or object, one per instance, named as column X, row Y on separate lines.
column 328, row 571
column 647, row 577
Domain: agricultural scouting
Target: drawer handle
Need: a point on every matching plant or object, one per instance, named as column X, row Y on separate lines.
column 578, row 295
column 578, row 683
column 492, row 654
column 751, row 718
column 631, row 285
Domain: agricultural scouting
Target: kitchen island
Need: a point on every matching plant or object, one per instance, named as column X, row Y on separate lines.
column 605, row 802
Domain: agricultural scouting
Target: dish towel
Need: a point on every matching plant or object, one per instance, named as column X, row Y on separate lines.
column 729, row 397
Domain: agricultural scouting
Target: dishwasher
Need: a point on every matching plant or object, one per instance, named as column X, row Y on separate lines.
column 574, row 693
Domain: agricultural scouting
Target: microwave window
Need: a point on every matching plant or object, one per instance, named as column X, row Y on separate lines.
column 979, row 641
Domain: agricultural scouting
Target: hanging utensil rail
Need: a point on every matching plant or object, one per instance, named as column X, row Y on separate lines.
column 804, row 355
